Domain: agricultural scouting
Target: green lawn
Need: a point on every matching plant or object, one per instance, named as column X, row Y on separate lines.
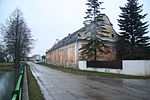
column 93, row 73
column 34, row 89
column 6, row 64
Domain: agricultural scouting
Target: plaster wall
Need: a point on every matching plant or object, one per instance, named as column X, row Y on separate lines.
column 65, row 56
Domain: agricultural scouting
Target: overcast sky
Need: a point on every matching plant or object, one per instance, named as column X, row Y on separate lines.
column 55, row 19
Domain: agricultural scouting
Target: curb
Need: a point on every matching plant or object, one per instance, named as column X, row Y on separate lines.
column 25, row 86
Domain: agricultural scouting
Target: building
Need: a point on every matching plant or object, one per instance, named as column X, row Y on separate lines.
column 36, row 57
column 66, row 52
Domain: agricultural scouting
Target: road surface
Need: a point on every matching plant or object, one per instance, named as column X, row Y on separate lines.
column 57, row 85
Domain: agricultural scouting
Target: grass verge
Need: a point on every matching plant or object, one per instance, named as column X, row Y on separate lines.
column 34, row 89
column 6, row 64
column 93, row 73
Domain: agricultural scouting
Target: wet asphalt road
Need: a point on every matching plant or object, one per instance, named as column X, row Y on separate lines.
column 57, row 85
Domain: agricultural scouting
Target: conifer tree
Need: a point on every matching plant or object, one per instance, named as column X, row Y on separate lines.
column 134, row 44
column 93, row 12
column 94, row 24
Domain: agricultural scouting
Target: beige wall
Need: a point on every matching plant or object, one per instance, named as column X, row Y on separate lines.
column 100, row 56
column 68, row 56
column 65, row 56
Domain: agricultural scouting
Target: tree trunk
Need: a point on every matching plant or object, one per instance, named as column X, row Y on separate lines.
column 95, row 55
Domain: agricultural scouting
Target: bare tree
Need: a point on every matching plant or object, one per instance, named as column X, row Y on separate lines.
column 2, row 57
column 17, row 36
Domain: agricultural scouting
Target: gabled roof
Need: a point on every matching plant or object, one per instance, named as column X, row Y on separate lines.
column 79, row 34
column 67, row 40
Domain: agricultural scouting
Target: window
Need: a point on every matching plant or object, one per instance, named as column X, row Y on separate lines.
column 112, row 35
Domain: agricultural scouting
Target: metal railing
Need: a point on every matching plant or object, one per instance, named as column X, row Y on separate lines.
column 17, row 93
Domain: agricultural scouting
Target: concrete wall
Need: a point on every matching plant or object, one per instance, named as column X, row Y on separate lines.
column 136, row 67
column 130, row 67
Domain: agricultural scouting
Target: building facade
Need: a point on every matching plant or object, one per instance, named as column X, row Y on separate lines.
column 36, row 57
column 66, row 52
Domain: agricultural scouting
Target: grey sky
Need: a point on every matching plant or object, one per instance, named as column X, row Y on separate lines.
column 54, row 19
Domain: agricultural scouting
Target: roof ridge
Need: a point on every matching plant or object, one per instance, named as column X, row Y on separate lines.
column 66, row 40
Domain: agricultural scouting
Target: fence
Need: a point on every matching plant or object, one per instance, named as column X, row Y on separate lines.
column 117, row 64
column 128, row 67
column 17, row 93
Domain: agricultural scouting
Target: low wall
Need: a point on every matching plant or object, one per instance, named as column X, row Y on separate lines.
column 136, row 67
column 129, row 67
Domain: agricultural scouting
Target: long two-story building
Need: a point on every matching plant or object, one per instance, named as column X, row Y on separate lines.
column 66, row 51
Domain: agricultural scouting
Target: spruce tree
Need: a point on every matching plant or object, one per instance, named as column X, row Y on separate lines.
column 93, row 12
column 94, row 24
column 134, row 44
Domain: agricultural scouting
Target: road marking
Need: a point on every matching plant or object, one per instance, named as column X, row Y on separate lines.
column 135, row 89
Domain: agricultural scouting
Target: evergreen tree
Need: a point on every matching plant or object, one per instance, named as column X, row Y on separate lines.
column 134, row 44
column 94, row 24
column 93, row 12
